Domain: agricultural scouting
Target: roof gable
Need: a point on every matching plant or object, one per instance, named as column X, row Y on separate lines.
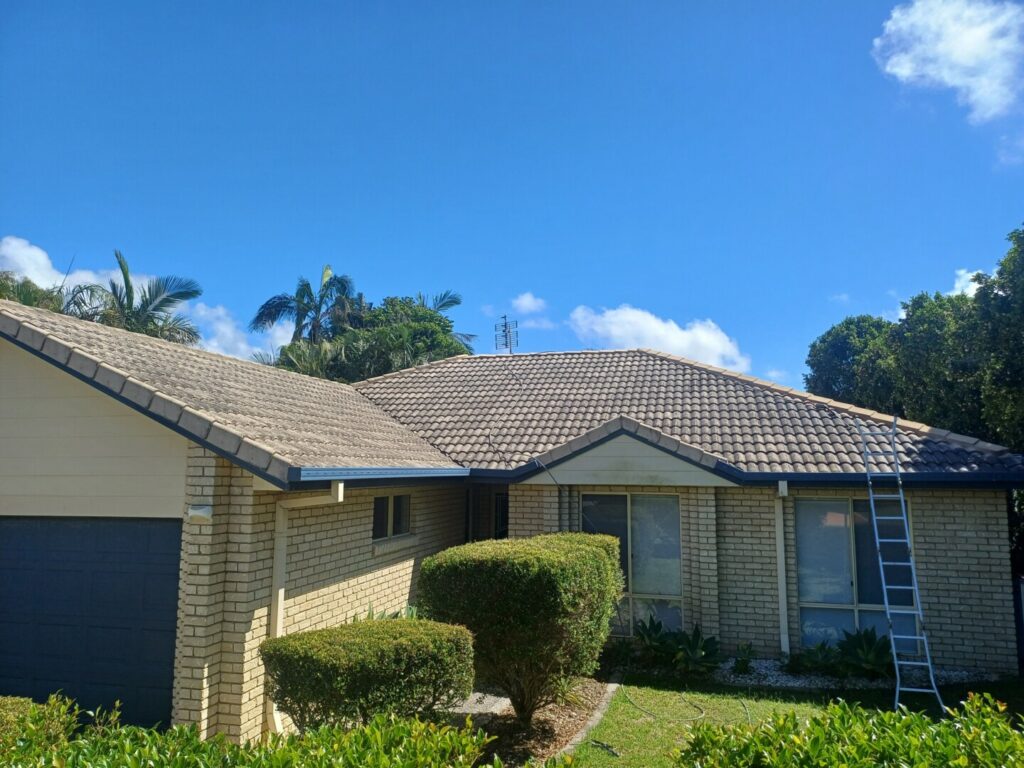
column 269, row 421
column 624, row 452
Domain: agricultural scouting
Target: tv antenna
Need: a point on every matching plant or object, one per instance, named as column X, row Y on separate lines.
column 506, row 335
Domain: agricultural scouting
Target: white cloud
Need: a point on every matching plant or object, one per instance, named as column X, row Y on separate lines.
column 974, row 47
column 279, row 334
column 840, row 298
column 222, row 333
column 776, row 374
column 963, row 282
column 538, row 324
column 627, row 326
column 528, row 304
column 24, row 259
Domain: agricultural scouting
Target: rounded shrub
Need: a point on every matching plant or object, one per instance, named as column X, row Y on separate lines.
column 539, row 608
column 348, row 674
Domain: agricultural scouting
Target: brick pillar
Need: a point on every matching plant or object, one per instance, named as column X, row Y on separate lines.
column 707, row 557
column 200, row 595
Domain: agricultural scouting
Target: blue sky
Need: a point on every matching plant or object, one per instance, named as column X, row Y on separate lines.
column 721, row 180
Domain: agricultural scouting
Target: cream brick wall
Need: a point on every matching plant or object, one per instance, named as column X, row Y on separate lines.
column 748, row 592
column 334, row 572
column 961, row 546
column 532, row 509
column 730, row 577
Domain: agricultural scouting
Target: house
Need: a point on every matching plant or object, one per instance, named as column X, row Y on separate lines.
column 163, row 510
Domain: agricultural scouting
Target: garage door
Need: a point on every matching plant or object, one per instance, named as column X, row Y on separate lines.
column 88, row 607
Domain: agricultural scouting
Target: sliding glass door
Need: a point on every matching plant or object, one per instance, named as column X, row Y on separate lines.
column 650, row 553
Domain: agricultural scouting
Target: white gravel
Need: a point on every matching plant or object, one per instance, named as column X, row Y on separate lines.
column 768, row 673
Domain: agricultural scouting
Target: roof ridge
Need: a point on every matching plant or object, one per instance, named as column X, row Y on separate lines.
column 916, row 427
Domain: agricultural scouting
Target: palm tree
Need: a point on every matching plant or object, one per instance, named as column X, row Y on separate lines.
column 442, row 302
column 153, row 313
column 318, row 314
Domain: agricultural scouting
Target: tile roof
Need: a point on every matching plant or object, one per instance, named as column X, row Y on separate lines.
column 501, row 411
column 266, row 418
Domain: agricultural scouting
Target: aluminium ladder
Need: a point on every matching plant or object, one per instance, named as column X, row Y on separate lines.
column 896, row 562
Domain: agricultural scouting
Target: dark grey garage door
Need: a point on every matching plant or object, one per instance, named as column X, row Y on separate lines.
column 88, row 606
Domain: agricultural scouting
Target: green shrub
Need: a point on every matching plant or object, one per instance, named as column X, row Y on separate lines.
column 49, row 724
column 820, row 659
column 384, row 742
column 859, row 654
column 350, row 673
column 864, row 654
column 744, row 656
column 978, row 734
column 695, row 653
column 687, row 654
column 539, row 608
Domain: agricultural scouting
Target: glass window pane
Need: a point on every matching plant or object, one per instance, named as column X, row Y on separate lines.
column 606, row 513
column 902, row 624
column 380, row 517
column 823, row 551
column 668, row 612
column 654, row 537
column 869, row 580
column 620, row 620
column 401, row 511
column 824, row 625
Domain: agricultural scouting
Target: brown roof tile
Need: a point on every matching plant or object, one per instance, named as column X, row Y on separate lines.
column 501, row 411
column 252, row 412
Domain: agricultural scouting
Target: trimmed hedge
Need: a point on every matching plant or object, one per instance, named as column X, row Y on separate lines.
column 50, row 724
column 979, row 733
column 350, row 673
column 539, row 608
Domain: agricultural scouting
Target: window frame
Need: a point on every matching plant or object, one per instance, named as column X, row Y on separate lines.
column 391, row 517
column 628, row 595
column 856, row 607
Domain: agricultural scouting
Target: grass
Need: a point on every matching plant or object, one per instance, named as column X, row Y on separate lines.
column 651, row 716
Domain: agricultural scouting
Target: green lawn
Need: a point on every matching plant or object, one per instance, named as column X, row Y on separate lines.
column 649, row 716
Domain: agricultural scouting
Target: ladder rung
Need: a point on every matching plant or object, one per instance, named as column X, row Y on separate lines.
column 893, row 541
column 888, row 517
column 878, row 453
column 918, row 690
column 912, row 663
column 905, row 611
column 908, row 637
column 875, row 433
column 898, row 587
column 887, row 496
column 904, row 565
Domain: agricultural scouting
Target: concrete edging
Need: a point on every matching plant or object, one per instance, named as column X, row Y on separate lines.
column 595, row 717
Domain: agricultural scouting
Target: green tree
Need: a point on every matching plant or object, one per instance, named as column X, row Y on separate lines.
column 318, row 314
column 149, row 310
column 937, row 363
column 850, row 362
column 1000, row 315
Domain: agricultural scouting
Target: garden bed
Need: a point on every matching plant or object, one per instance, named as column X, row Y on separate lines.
column 771, row 673
column 553, row 726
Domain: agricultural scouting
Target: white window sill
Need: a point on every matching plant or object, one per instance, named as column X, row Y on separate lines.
column 395, row 544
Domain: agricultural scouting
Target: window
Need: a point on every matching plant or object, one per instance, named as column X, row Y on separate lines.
column 838, row 578
column 501, row 515
column 650, row 554
column 391, row 516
